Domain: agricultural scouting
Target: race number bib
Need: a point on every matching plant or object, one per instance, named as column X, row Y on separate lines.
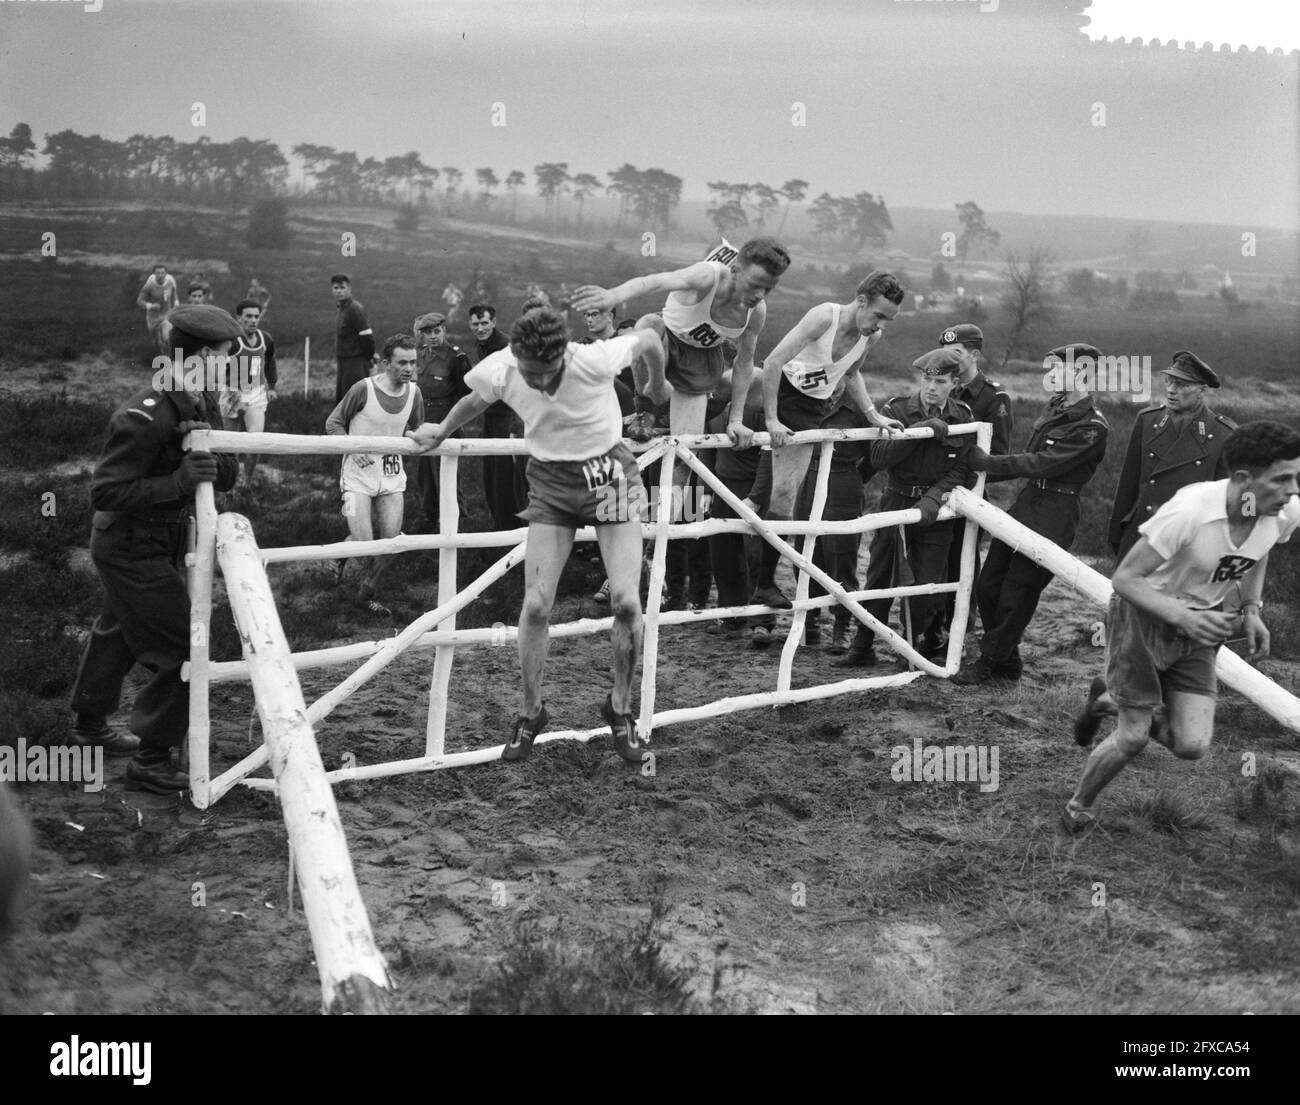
column 704, row 335
column 598, row 471
column 724, row 253
column 1232, row 568
column 392, row 465
column 811, row 379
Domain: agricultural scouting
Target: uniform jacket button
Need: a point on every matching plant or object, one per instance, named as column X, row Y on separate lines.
column 1198, row 464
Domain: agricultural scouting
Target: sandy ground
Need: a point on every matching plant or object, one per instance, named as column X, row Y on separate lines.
column 794, row 874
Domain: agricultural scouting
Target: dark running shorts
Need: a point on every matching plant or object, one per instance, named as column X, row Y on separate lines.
column 1146, row 658
column 577, row 493
column 693, row 371
column 797, row 410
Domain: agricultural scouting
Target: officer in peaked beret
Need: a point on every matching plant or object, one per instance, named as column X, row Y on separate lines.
column 142, row 491
column 1173, row 443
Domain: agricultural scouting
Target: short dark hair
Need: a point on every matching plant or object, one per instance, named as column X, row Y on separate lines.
column 200, row 286
column 539, row 335
column 624, row 324
column 340, row 278
column 397, row 341
column 244, row 304
column 878, row 282
column 483, row 309
column 1255, row 446
column 158, row 265
column 767, row 252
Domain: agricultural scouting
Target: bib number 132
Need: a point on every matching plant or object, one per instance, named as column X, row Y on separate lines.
column 598, row 471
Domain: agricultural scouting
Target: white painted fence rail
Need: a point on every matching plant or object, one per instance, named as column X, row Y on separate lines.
column 353, row 976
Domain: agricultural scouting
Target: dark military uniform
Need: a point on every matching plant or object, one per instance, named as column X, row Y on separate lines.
column 1065, row 448
column 440, row 376
column 504, row 484
column 1161, row 458
column 354, row 347
column 138, row 544
column 988, row 403
column 915, row 470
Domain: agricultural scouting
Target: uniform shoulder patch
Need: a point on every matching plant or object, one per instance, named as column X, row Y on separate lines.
column 1154, row 408
column 1225, row 420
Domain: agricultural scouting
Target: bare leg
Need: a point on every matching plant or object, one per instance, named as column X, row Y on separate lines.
column 356, row 509
column 1191, row 724
column 388, row 521
column 620, row 549
column 254, row 423
column 1110, row 757
column 548, row 549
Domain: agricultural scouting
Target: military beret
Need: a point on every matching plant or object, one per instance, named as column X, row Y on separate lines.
column 1188, row 366
column 1074, row 351
column 432, row 318
column 205, row 322
column 966, row 333
column 938, row 362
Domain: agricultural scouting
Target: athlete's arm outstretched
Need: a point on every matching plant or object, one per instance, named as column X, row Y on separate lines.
column 698, row 278
column 432, row 434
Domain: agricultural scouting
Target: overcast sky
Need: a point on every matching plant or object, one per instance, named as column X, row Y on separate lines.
column 927, row 104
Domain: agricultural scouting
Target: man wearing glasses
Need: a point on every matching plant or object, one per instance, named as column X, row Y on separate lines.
column 1174, row 443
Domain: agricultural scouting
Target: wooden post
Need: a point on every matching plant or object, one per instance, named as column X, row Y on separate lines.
column 354, row 978
column 449, row 524
column 650, row 636
column 795, row 637
column 970, row 538
column 201, row 567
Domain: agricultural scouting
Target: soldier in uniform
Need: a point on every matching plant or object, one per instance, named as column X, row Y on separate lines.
column 988, row 403
column 354, row 340
column 441, row 378
column 1174, row 443
column 142, row 491
column 919, row 473
column 1065, row 447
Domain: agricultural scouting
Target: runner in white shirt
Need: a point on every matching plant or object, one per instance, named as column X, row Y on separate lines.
column 1192, row 581
column 830, row 343
column 579, row 473
column 384, row 405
